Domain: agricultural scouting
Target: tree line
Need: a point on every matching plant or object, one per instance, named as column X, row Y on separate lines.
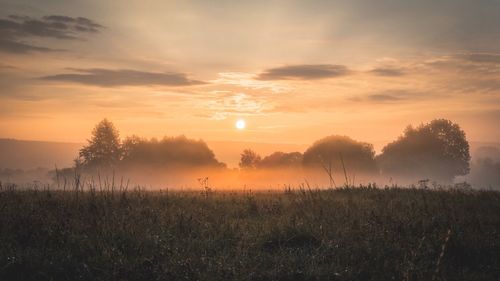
column 106, row 150
column 437, row 150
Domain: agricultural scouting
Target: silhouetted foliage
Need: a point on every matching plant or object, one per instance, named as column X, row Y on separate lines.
column 281, row 160
column 437, row 150
column 170, row 151
column 332, row 150
column 103, row 148
column 249, row 159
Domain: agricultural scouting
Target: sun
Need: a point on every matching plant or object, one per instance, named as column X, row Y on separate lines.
column 240, row 124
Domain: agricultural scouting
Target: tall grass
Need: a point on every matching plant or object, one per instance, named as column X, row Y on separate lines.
column 112, row 232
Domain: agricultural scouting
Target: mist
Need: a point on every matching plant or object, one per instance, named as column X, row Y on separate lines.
column 434, row 154
column 201, row 178
column 485, row 168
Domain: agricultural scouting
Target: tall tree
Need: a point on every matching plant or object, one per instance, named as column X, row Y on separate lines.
column 249, row 159
column 103, row 148
column 341, row 152
column 438, row 150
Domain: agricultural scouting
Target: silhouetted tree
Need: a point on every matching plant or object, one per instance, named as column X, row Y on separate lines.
column 281, row 160
column 174, row 151
column 437, row 150
column 333, row 150
column 131, row 145
column 103, row 148
column 249, row 159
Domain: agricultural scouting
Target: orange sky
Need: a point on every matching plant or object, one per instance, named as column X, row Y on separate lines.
column 294, row 70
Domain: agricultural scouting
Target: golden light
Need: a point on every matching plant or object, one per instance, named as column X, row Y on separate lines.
column 240, row 124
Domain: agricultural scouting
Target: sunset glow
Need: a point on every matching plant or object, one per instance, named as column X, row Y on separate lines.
column 297, row 70
column 240, row 124
column 250, row 140
column 294, row 68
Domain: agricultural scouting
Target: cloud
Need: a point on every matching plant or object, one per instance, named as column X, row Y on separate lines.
column 447, row 25
column 470, row 63
column 80, row 23
column 387, row 71
column 383, row 98
column 15, row 29
column 463, row 74
column 485, row 86
column 480, row 57
column 235, row 104
column 394, row 96
column 122, row 77
column 247, row 80
column 6, row 66
column 11, row 46
column 304, row 72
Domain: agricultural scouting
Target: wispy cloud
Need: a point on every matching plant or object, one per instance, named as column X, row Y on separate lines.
column 396, row 95
column 383, row 97
column 387, row 71
column 11, row 46
column 470, row 63
column 123, row 77
column 479, row 57
column 220, row 107
column 15, row 29
column 247, row 80
column 304, row 72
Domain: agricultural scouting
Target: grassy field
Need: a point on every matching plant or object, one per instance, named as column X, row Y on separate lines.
column 345, row 234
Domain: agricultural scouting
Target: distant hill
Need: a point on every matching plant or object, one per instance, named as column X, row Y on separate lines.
column 26, row 155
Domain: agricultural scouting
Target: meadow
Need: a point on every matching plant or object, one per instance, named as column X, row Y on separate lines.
column 349, row 233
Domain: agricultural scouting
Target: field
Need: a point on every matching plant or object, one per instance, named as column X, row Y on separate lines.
column 361, row 233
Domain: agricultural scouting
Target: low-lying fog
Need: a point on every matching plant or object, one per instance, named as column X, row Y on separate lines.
column 484, row 174
column 432, row 154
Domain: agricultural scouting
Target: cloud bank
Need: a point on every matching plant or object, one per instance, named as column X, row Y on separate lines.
column 387, row 71
column 15, row 30
column 122, row 77
column 304, row 72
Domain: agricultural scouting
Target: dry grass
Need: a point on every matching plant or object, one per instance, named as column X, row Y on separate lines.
column 359, row 233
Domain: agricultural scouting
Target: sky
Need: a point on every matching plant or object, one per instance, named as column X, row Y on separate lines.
column 295, row 71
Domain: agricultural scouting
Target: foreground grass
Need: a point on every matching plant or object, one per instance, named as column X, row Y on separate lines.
column 346, row 234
